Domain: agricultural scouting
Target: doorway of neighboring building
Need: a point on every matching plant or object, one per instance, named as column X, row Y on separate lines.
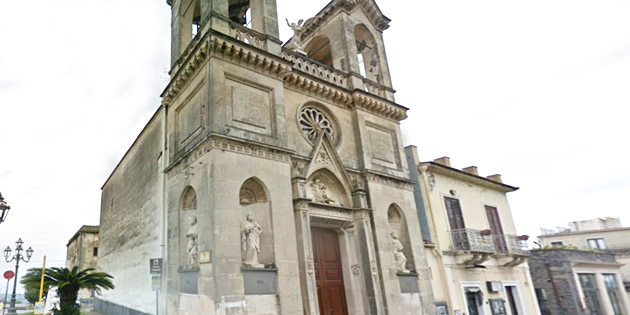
column 331, row 293
column 474, row 301
column 513, row 299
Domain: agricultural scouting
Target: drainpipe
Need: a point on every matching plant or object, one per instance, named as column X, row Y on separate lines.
column 436, row 248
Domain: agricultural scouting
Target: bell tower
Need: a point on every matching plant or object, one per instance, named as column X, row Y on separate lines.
column 190, row 18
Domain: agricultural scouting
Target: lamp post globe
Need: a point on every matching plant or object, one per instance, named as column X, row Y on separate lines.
column 4, row 209
column 17, row 257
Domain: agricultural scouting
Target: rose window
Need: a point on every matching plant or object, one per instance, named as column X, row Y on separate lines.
column 313, row 123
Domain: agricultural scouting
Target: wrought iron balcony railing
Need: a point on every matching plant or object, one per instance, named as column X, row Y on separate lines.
column 472, row 240
column 516, row 246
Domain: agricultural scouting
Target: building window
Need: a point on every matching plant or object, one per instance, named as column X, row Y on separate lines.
column 596, row 243
column 589, row 289
column 557, row 244
column 612, row 289
column 95, row 253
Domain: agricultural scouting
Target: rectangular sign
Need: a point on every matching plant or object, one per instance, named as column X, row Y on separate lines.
column 39, row 308
column 156, row 282
column 155, row 266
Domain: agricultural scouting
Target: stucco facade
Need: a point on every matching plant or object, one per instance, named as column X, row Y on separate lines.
column 477, row 266
column 271, row 180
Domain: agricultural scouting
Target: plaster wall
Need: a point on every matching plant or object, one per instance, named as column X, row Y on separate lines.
column 131, row 221
column 472, row 200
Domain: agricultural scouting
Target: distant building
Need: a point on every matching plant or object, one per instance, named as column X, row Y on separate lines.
column 602, row 234
column 477, row 261
column 577, row 282
column 82, row 251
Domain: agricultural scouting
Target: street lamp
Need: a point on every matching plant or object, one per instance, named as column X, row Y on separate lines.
column 17, row 257
column 4, row 209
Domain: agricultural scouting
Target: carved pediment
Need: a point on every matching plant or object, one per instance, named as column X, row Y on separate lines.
column 328, row 182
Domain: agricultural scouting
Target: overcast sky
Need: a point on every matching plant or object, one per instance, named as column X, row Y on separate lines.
column 537, row 91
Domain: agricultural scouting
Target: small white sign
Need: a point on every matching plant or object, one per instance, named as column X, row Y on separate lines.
column 39, row 308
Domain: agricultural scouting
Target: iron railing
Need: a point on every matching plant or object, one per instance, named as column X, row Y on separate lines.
column 477, row 241
column 472, row 240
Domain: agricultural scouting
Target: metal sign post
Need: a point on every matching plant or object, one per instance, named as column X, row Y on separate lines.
column 155, row 269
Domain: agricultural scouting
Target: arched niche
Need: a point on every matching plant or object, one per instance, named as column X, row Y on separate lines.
column 367, row 53
column 254, row 197
column 319, row 50
column 188, row 224
column 325, row 188
column 398, row 223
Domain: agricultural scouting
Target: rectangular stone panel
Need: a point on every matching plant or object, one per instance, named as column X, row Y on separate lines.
column 188, row 282
column 383, row 146
column 260, row 281
column 408, row 283
column 251, row 106
column 189, row 118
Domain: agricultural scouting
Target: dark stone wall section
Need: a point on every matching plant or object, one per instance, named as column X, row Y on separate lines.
column 110, row 308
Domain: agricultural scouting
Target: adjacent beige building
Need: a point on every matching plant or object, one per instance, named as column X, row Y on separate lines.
column 476, row 258
column 82, row 252
column 272, row 179
column 600, row 234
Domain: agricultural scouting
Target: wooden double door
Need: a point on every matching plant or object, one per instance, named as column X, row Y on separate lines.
column 331, row 293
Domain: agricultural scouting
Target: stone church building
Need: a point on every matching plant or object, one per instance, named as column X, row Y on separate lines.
column 272, row 179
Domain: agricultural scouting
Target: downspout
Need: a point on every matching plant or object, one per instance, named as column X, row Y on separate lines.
column 436, row 248
column 165, row 264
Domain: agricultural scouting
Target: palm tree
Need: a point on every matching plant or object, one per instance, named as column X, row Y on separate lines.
column 68, row 281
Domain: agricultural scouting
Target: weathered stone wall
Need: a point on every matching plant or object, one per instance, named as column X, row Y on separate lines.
column 552, row 271
column 131, row 221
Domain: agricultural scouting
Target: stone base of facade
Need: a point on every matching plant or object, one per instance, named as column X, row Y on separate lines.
column 110, row 308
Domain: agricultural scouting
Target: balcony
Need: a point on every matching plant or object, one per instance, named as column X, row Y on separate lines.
column 479, row 245
column 471, row 240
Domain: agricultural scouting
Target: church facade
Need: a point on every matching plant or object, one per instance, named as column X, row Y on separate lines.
column 272, row 180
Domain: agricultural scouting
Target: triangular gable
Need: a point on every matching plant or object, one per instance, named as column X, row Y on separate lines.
column 324, row 156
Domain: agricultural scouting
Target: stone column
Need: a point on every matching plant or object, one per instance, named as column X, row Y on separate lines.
column 305, row 256
column 623, row 296
column 368, row 257
column 603, row 294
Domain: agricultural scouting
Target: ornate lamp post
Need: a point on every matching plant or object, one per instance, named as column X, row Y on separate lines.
column 17, row 257
column 4, row 209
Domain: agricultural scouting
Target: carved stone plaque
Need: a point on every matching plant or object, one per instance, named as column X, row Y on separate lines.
column 251, row 107
column 382, row 144
column 260, row 281
column 408, row 283
column 188, row 282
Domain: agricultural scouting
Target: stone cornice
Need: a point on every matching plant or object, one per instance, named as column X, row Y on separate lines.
column 379, row 106
column 228, row 48
column 216, row 141
column 455, row 173
column 397, row 182
column 316, row 87
column 193, row 59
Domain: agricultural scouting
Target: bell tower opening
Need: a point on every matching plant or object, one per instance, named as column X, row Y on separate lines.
column 240, row 12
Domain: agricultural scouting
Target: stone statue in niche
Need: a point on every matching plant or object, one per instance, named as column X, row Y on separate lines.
column 191, row 234
column 319, row 192
column 399, row 258
column 250, row 241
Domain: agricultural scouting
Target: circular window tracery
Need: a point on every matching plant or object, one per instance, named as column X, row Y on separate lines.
column 313, row 122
